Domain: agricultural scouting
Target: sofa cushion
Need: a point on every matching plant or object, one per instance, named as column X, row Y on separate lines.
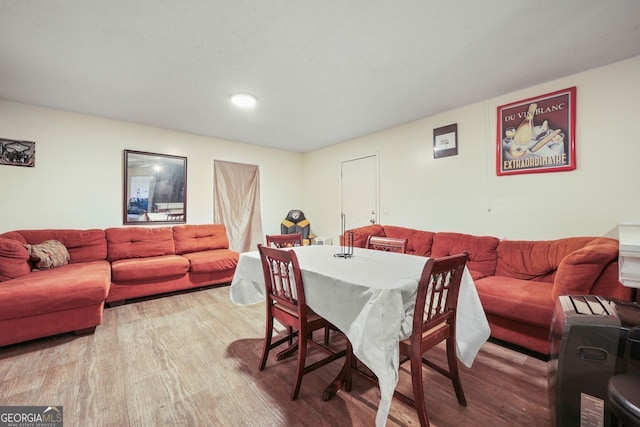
column 579, row 270
column 525, row 300
column 535, row 260
column 83, row 245
column 418, row 242
column 14, row 259
column 482, row 251
column 148, row 269
column 68, row 287
column 139, row 242
column 195, row 238
column 217, row 260
column 47, row 255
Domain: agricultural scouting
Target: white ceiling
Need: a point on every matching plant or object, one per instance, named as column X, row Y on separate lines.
column 323, row 71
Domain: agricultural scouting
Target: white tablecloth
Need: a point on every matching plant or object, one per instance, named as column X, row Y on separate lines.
column 369, row 297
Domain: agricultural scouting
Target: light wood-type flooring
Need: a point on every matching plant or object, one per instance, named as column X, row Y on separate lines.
column 191, row 359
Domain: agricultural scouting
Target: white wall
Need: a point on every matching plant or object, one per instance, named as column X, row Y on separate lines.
column 77, row 181
column 462, row 193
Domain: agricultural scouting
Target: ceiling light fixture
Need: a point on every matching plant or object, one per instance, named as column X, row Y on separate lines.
column 243, row 100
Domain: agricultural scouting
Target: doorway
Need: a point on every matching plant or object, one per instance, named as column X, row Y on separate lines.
column 359, row 191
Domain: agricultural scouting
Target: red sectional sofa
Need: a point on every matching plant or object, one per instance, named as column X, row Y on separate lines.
column 110, row 265
column 519, row 281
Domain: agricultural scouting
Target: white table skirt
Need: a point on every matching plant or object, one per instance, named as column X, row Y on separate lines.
column 369, row 297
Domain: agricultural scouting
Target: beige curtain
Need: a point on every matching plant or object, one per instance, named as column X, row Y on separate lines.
column 236, row 198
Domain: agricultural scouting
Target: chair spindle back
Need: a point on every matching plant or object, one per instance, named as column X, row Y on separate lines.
column 438, row 290
column 282, row 276
column 389, row 244
column 284, row 240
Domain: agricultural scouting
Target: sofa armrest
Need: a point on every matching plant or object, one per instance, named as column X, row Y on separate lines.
column 579, row 270
column 14, row 259
column 608, row 284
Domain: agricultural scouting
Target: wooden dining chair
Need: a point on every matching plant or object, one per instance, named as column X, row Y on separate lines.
column 389, row 244
column 287, row 241
column 284, row 240
column 434, row 321
column 285, row 302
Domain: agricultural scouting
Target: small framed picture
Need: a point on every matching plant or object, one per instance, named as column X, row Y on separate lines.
column 445, row 141
column 17, row 153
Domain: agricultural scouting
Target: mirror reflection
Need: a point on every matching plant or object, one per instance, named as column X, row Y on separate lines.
column 155, row 188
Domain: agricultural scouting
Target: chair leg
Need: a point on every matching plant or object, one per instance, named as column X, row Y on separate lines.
column 326, row 335
column 418, row 390
column 267, row 342
column 302, row 356
column 452, row 359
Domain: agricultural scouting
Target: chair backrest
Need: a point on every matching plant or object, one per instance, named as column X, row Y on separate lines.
column 388, row 244
column 282, row 278
column 295, row 222
column 284, row 240
column 437, row 298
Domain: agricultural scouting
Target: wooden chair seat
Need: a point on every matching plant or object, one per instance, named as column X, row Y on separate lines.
column 312, row 316
column 434, row 334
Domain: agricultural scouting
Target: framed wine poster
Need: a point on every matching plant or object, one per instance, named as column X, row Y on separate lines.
column 537, row 134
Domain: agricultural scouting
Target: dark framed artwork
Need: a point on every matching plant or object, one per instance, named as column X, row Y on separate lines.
column 17, row 153
column 445, row 141
column 537, row 134
column 155, row 188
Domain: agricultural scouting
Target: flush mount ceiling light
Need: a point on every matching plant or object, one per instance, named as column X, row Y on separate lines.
column 243, row 100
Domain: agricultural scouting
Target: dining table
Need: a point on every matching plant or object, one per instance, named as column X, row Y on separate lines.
column 369, row 295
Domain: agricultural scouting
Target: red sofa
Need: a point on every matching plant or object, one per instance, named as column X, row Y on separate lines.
column 147, row 261
column 519, row 281
column 110, row 265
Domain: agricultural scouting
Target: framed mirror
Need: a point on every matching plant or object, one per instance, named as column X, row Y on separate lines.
column 155, row 188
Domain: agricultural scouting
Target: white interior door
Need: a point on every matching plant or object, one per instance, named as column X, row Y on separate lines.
column 359, row 190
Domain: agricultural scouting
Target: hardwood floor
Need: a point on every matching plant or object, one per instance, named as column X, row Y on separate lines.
column 192, row 360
